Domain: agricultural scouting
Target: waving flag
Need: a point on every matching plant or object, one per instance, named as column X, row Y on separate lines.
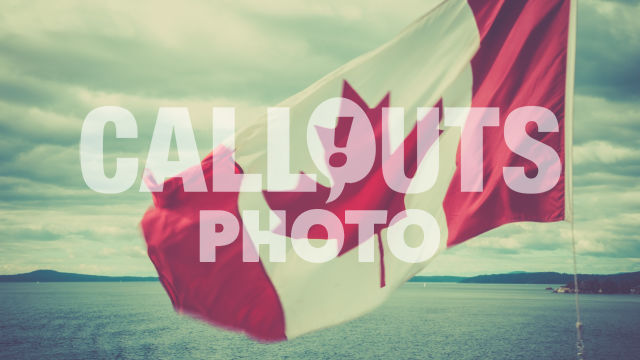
column 505, row 55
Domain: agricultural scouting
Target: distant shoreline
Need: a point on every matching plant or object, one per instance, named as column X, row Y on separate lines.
column 621, row 283
column 56, row 276
column 621, row 280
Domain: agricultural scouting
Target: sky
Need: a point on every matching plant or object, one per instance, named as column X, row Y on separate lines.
column 59, row 60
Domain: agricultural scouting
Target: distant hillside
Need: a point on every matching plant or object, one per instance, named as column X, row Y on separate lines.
column 55, row 276
column 632, row 279
column 521, row 278
column 436, row 279
column 610, row 283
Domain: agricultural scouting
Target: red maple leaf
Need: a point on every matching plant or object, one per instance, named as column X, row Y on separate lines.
column 370, row 193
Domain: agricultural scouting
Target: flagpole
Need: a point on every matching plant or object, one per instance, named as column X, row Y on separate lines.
column 569, row 200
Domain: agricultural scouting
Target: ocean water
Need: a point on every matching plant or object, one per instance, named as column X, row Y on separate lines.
column 439, row 321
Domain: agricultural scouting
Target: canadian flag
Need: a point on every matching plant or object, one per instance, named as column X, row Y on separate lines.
column 497, row 56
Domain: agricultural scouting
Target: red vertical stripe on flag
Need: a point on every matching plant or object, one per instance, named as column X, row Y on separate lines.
column 522, row 61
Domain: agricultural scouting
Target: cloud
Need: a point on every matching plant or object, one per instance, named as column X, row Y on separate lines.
column 603, row 152
column 608, row 49
column 180, row 51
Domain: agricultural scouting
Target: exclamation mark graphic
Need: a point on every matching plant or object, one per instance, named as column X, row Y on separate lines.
column 340, row 137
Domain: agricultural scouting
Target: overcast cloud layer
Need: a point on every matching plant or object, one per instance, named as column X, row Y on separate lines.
column 59, row 60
